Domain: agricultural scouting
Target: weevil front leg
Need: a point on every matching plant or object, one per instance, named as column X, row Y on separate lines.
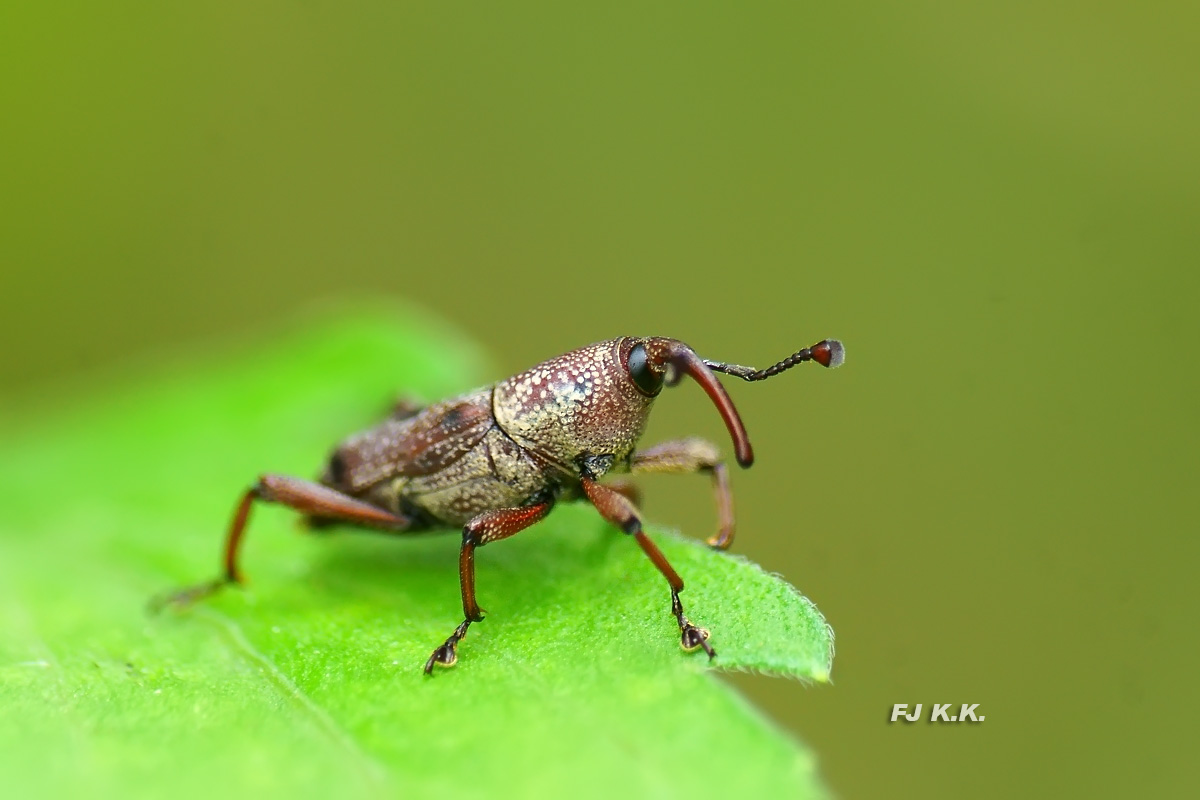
column 307, row 497
column 693, row 455
column 617, row 509
column 490, row 526
column 628, row 489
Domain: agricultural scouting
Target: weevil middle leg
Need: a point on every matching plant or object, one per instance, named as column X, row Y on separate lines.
column 490, row 526
column 310, row 498
column 617, row 509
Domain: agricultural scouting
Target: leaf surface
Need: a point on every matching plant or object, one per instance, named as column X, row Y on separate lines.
column 309, row 681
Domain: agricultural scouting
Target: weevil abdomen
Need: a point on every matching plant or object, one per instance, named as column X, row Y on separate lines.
column 495, row 473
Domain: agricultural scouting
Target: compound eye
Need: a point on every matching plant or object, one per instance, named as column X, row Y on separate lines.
column 649, row 381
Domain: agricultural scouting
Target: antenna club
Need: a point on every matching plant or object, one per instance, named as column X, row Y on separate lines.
column 829, row 353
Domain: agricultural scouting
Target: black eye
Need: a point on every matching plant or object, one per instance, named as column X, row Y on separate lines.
column 646, row 379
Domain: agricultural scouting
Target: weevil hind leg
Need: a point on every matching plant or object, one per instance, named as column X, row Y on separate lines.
column 617, row 509
column 311, row 499
column 187, row 596
column 490, row 526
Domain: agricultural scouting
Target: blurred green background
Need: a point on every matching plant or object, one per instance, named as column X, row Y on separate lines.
column 994, row 205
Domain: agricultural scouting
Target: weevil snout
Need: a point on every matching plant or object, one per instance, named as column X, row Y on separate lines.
column 669, row 359
column 682, row 359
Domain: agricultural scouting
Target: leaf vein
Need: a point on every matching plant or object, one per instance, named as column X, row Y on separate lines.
column 370, row 770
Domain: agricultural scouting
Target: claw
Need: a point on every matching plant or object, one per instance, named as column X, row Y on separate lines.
column 693, row 638
column 445, row 656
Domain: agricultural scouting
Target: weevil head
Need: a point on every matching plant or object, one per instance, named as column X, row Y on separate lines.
column 594, row 401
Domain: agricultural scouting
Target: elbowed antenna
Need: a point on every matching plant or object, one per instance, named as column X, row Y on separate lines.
column 680, row 358
column 828, row 353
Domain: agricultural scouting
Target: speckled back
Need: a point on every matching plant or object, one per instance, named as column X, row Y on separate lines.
column 581, row 402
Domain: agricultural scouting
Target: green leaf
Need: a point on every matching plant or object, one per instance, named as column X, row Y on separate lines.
column 310, row 680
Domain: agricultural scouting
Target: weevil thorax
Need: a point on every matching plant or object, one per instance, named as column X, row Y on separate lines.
column 582, row 403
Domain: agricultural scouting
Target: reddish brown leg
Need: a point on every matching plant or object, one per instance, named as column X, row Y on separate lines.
column 309, row 498
column 490, row 526
column 617, row 509
column 694, row 455
column 627, row 489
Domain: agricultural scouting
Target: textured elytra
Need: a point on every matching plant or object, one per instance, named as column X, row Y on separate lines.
column 420, row 444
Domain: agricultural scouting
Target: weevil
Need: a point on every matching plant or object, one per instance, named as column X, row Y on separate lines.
column 496, row 460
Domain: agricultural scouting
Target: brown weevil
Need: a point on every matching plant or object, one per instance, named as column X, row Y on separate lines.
column 495, row 461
